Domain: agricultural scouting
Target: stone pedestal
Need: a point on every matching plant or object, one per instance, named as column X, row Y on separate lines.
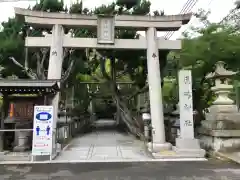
column 189, row 148
column 221, row 131
column 22, row 141
column 146, row 131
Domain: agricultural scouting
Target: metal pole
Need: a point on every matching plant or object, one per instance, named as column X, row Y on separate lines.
column 152, row 139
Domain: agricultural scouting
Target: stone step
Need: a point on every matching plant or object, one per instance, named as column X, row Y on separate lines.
column 16, row 156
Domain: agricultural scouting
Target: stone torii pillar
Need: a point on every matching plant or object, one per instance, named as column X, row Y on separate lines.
column 55, row 63
column 155, row 92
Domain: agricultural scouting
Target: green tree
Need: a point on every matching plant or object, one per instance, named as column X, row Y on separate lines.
column 106, row 65
column 216, row 42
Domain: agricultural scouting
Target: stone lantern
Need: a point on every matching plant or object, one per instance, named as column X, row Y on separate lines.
column 221, row 129
column 146, row 117
column 176, row 125
column 222, row 87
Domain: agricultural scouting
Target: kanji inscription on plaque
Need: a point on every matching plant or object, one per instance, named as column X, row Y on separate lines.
column 105, row 30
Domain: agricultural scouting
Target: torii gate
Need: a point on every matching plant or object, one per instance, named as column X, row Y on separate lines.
column 105, row 27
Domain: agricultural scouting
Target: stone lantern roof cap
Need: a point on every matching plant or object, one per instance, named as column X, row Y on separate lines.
column 220, row 71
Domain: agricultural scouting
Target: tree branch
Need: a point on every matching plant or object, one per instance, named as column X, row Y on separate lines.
column 44, row 52
column 102, row 64
column 68, row 71
column 28, row 71
column 38, row 65
column 65, row 53
column 103, row 69
column 122, row 73
column 44, row 57
column 145, row 88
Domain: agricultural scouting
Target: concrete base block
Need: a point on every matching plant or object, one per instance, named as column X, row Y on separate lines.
column 223, row 108
column 157, row 147
column 189, row 147
column 41, row 158
column 3, row 153
column 193, row 153
column 220, row 132
column 184, row 143
column 21, row 148
column 234, row 116
column 220, row 125
column 175, row 154
column 220, row 144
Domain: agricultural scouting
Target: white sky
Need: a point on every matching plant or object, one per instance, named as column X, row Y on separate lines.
column 219, row 8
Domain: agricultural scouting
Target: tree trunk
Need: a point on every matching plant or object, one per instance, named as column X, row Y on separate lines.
column 121, row 104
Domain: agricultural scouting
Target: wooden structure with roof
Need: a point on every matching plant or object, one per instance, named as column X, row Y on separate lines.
column 19, row 99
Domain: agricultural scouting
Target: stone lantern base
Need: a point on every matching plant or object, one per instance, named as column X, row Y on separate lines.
column 220, row 131
column 22, row 141
column 189, row 147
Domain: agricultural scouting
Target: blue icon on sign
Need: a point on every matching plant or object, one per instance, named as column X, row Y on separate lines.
column 37, row 130
column 48, row 130
column 43, row 116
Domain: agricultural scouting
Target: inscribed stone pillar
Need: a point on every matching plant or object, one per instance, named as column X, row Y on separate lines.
column 155, row 93
column 186, row 104
column 55, row 63
column 186, row 144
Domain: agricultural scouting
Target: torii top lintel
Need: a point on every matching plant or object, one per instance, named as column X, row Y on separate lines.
column 46, row 19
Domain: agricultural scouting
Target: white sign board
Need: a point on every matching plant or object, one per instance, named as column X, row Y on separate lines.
column 146, row 116
column 186, row 104
column 105, row 30
column 42, row 130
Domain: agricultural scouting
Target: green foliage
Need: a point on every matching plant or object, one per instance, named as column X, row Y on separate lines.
column 50, row 5
column 213, row 43
column 170, row 91
column 130, row 65
column 133, row 63
column 128, row 3
column 11, row 44
column 76, row 8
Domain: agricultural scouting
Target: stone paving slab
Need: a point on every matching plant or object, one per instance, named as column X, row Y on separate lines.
column 104, row 145
column 210, row 170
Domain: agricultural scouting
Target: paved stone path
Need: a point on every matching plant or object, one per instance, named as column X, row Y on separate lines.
column 104, row 145
column 211, row 170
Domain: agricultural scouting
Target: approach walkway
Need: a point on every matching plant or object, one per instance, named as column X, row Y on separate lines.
column 104, row 144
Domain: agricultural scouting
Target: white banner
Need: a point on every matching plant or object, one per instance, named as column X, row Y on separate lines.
column 42, row 130
column 186, row 104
